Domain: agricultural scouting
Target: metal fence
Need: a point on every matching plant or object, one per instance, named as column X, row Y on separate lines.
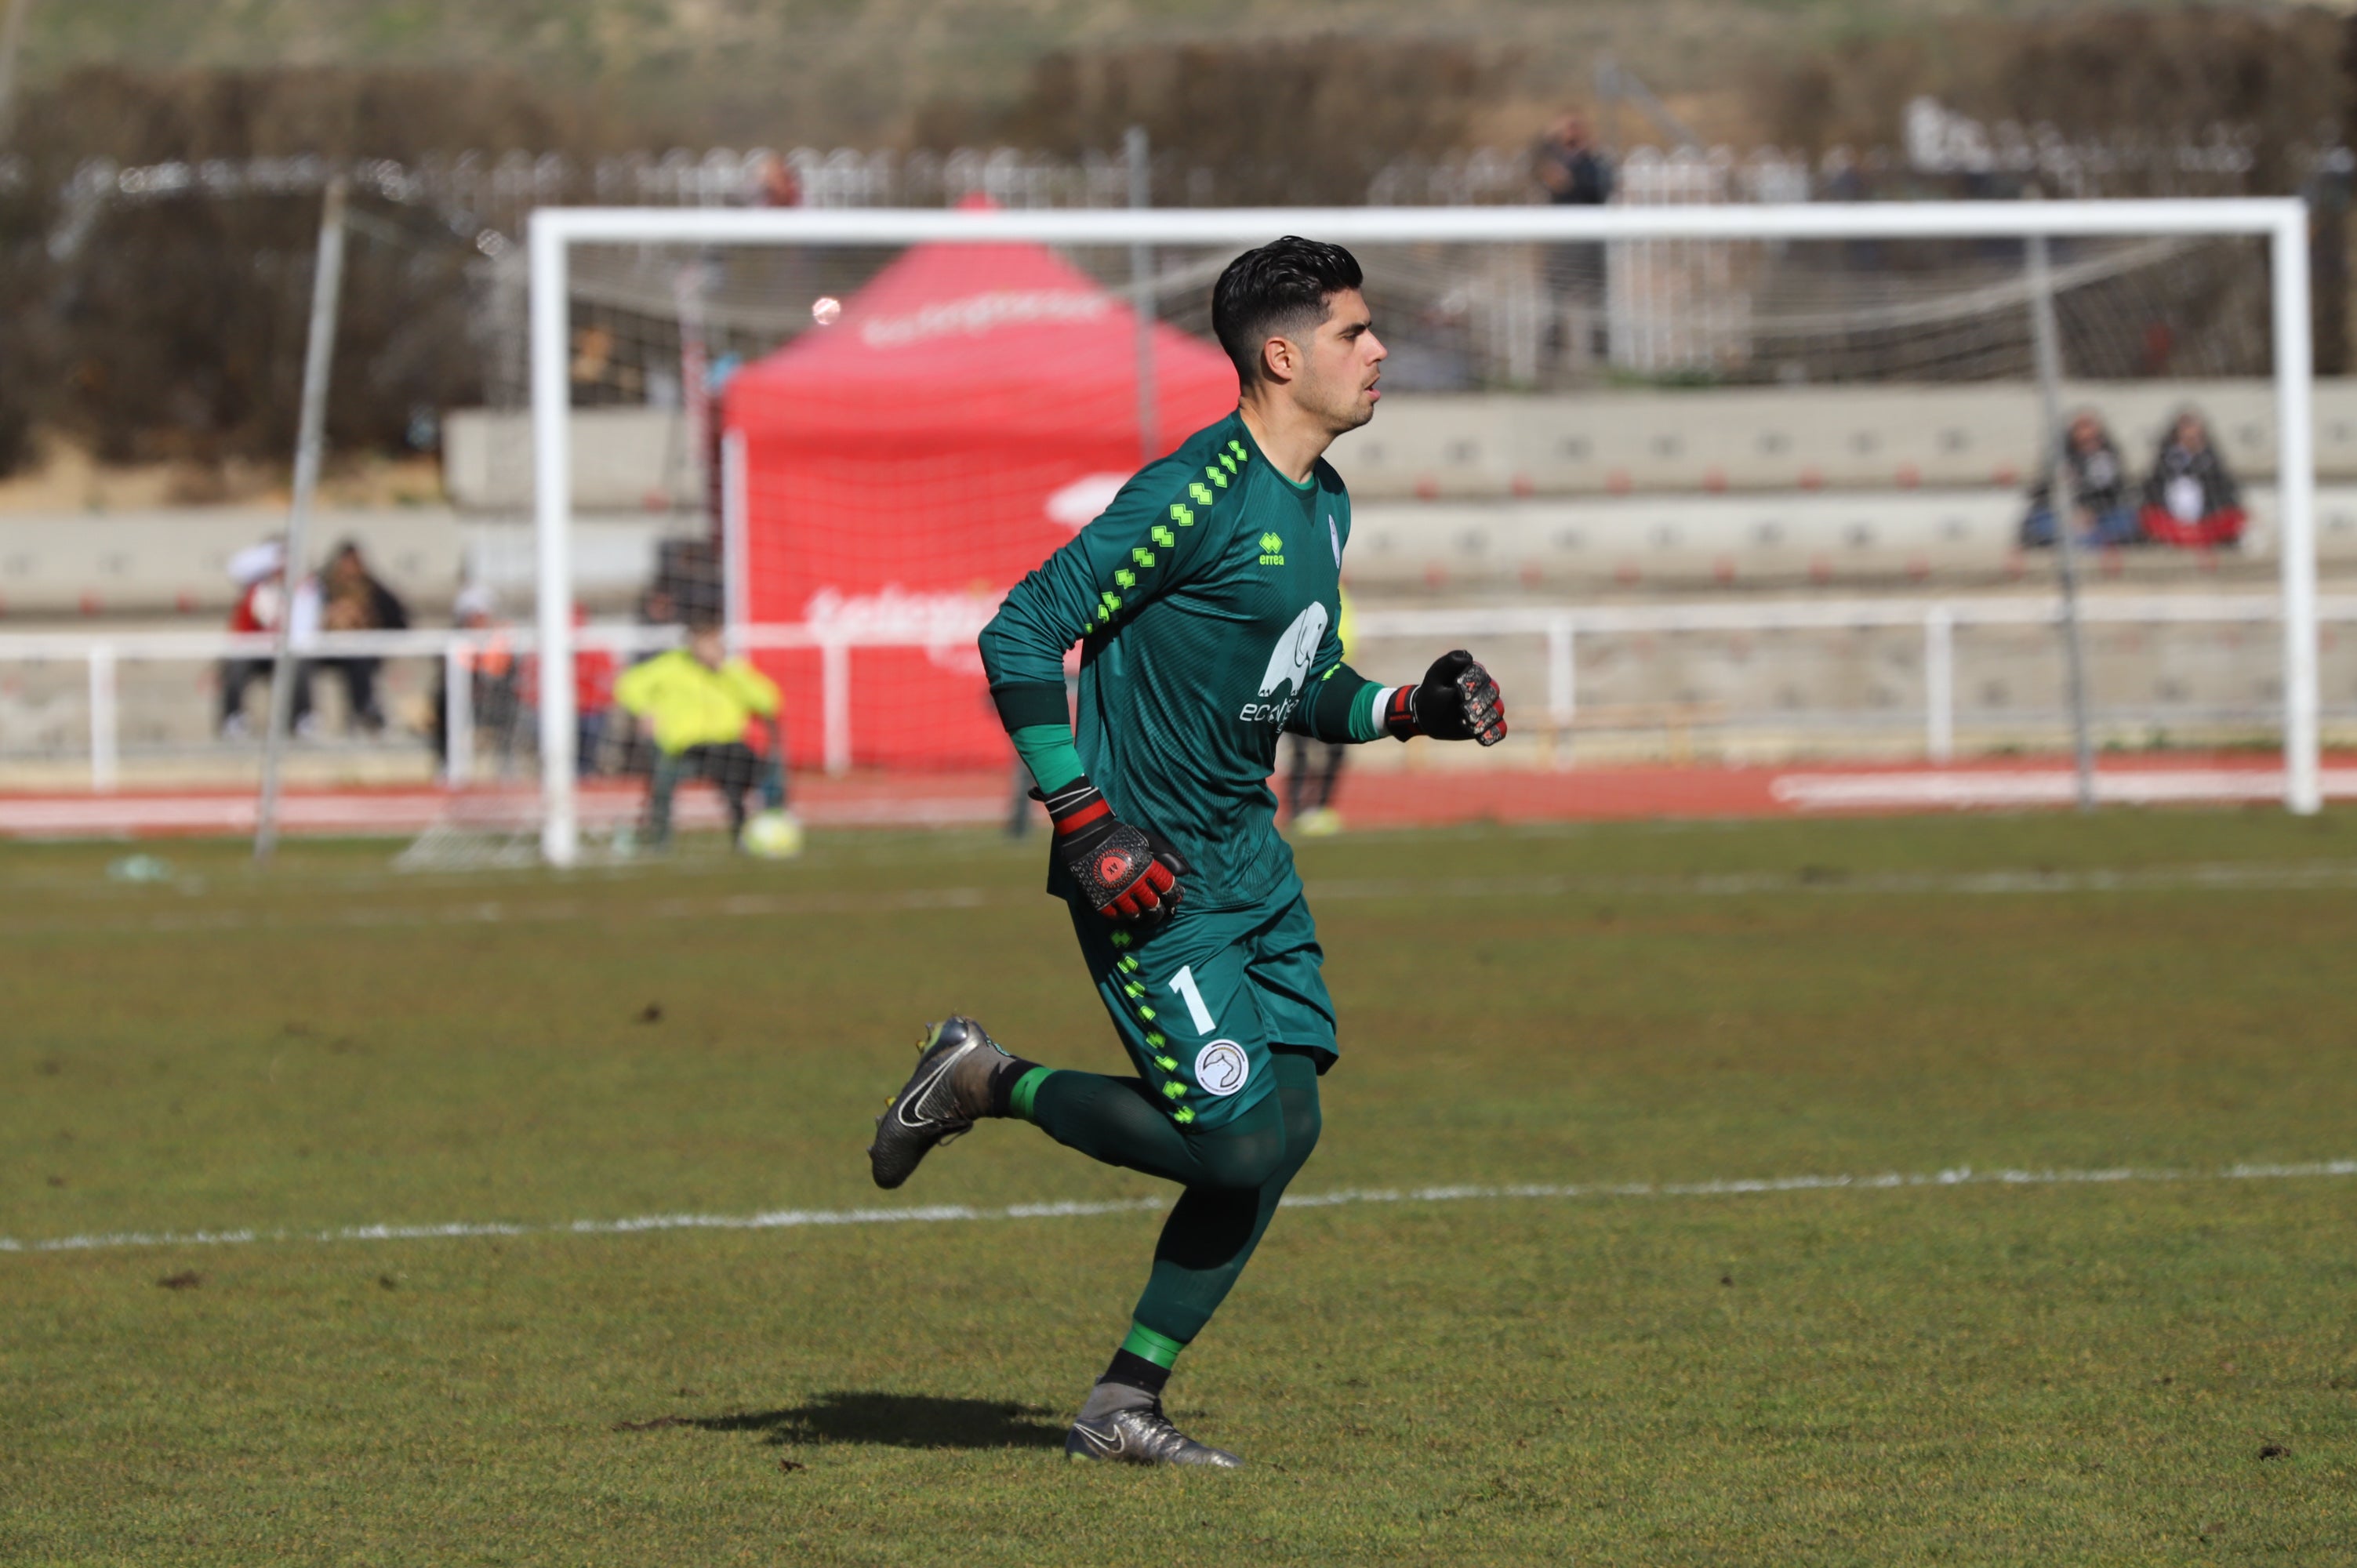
column 1550, row 655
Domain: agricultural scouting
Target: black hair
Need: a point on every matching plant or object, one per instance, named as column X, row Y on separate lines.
column 1277, row 291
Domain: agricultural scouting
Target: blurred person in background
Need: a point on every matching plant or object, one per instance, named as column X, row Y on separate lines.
column 260, row 574
column 593, row 696
column 1574, row 172
column 656, row 608
column 701, row 704
column 1317, row 765
column 352, row 599
column 1570, row 165
column 2190, row 498
column 491, row 666
column 2102, row 515
column 778, row 184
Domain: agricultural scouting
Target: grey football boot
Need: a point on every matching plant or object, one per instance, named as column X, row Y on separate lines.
column 1127, row 1426
column 950, row 1088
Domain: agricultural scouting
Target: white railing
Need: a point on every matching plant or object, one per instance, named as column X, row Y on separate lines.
column 1937, row 619
column 1561, row 628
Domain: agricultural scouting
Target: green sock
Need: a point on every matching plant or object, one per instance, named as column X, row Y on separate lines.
column 1018, row 1102
column 1146, row 1345
column 1144, row 1360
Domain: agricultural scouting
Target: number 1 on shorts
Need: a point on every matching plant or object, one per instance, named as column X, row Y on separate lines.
column 1183, row 984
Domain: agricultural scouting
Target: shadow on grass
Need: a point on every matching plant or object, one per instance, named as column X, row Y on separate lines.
column 899, row 1420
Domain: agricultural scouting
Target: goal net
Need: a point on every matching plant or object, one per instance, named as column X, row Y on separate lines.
column 1703, row 482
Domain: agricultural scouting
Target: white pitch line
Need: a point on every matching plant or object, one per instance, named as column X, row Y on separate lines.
column 957, row 1213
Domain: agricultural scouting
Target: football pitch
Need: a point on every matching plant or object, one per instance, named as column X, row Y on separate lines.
column 1943, row 1190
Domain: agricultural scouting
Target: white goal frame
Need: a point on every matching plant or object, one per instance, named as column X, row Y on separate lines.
column 2282, row 221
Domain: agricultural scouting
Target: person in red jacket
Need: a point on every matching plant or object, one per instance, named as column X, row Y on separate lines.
column 2191, row 500
column 260, row 574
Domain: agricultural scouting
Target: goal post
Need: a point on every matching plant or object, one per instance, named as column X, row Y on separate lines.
column 2281, row 224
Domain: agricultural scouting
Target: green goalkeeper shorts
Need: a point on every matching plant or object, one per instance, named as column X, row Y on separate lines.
column 1201, row 1001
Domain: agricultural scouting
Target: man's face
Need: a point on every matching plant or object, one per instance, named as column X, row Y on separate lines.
column 705, row 644
column 1338, row 367
column 1571, row 132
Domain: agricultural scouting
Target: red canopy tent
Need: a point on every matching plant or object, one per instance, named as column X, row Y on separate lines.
column 970, row 408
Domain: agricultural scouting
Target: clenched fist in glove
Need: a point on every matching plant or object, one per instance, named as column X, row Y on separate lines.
column 1456, row 700
column 1127, row 875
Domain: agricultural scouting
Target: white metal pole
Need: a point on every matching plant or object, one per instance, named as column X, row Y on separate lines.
column 695, row 387
column 551, row 432
column 1141, row 281
column 1563, row 691
column 103, row 756
column 1940, row 684
column 2062, row 505
column 737, row 600
column 310, row 442
column 458, row 715
column 834, row 706
column 2295, row 506
column 1252, row 225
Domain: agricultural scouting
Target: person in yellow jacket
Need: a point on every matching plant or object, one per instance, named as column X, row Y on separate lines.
column 699, row 702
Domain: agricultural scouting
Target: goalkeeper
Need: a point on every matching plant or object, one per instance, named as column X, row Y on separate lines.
column 1204, row 600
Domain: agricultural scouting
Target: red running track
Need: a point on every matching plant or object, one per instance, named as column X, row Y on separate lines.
column 1370, row 799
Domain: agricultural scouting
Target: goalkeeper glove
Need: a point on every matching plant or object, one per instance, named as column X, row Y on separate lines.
column 1127, row 875
column 1456, row 701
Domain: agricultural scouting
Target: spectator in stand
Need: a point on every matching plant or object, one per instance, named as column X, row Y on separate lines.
column 260, row 574
column 700, row 705
column 656, row 607
column 2102, row 515
column 352, row 599
column 780, row 184
column 491, row 666
column 2190, row 499
column 1570, row 165
column 1573, row 172
column 593, row 697
column 261, row 578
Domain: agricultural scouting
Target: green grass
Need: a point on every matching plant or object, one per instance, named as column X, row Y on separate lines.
column 2076, row 1373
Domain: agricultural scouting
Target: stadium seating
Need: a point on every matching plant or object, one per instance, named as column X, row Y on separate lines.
column 1572, row 493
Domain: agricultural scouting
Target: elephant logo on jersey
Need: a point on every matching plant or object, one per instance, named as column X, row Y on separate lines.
column 1288, row 665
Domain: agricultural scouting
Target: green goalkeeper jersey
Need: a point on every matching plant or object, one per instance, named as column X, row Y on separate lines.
column 1205, row 600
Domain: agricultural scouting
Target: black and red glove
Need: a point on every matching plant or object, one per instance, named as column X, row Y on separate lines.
column 1128, row 876
column 1456, row 701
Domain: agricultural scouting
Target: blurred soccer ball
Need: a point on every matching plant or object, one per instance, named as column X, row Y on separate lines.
column 774, row 835
column 825, row 308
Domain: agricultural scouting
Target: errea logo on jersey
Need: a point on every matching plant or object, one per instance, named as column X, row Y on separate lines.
column 1289, row 666
column 1272, row 549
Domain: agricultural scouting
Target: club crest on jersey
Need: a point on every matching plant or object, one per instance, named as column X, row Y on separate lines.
column 1222, row 1068
column 1335, row 534
column 1288, row 667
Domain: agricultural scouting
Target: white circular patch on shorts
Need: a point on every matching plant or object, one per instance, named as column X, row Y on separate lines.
column 1221, row 1067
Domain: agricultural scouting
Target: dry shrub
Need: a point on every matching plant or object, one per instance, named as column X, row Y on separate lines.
column 1289, row 120
column 175, row 328
column 2161, row 77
